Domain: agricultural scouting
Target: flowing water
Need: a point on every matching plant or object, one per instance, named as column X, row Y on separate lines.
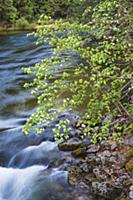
column 24, row 160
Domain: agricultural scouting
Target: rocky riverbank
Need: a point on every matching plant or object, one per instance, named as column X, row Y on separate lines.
column 104, row 170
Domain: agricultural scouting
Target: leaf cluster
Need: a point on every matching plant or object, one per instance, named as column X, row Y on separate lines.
column 91, row 68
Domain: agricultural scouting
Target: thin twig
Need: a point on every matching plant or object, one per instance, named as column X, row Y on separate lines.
column 117, row 121
column 125, row 85
column 124, row 109
column 118, row 77
column 118, row 108
column 125, row 94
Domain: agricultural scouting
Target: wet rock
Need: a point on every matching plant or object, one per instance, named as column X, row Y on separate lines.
column 70, row 145
column 57, row 163
column 44, row 153
column 80, row 152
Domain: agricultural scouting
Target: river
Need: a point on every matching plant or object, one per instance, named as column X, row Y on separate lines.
column 24, row 160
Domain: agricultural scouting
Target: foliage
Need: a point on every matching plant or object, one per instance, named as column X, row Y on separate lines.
column 8, row 12
column 58, row 8
column 12, row 10
column 25, row 9
column 22, row 23
column 101, row 79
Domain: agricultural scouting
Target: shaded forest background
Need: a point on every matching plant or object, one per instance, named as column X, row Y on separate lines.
column 30, row 10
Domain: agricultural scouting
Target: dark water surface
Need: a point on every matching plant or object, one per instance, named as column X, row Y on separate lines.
column 16, row 51
column 24, row 160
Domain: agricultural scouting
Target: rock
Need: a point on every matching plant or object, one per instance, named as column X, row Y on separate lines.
column 72, row 180
column 131, row 188
column 90, row 163
column 100, row 169
column 97, row 172
column 106, row 153
column 131, row 194
column 83, row 185
column 103, row 159
column 129, row 154
column 129, row 166
column 103, row 142
column 129, row 141
column 121, row 159
column 113, row 146
column 99, row 189
column 84, row 168
column 83, row 198
column 112, row 159
column 70, row 145
column 45, row 153
column 80, row 152
column 87, row 140
column 102, row 189
column 114, row 153
column 56, row 163
column 93, row 148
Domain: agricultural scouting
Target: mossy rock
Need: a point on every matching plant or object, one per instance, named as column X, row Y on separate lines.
column 70, row 145
column 129, row 166
column 129, row 154
column 80, row 152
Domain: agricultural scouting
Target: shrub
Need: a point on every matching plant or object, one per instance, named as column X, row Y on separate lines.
column 22, row 23
column 101, row 79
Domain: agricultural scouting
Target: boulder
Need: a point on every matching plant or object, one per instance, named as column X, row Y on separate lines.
column 80, row 152
column 70, row 145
